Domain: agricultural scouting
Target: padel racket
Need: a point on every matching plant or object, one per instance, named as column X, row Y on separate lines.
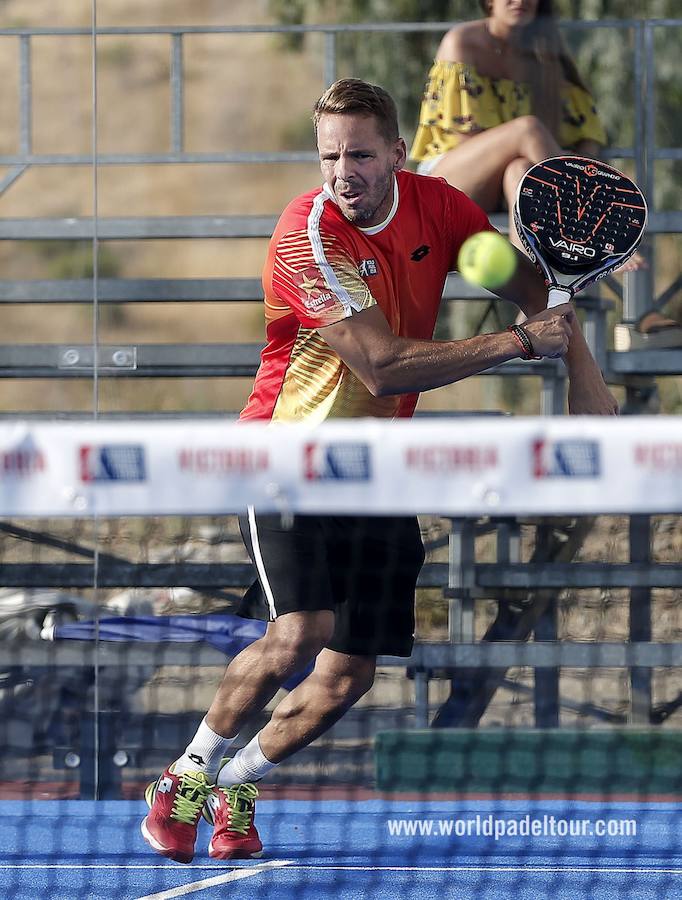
column 578, row 220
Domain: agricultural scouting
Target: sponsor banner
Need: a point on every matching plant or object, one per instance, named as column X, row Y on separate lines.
column 461, row 467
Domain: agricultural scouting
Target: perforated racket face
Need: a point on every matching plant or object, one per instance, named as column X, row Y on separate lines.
column 580, row 212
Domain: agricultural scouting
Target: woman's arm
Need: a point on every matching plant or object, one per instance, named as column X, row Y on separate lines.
column 459, row 44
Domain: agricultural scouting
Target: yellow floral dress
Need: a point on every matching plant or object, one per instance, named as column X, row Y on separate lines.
column 459, row 101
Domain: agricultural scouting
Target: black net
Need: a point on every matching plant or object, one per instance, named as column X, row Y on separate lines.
column 517, row 766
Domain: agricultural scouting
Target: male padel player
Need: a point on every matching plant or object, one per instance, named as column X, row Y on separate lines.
column 353, row 282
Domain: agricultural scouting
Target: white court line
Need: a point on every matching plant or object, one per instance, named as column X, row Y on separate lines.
column 234, row 875
column 148, row 866
column 642, row 870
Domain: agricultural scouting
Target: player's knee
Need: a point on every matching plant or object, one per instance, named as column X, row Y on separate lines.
column 347, row 688
column 361, row 682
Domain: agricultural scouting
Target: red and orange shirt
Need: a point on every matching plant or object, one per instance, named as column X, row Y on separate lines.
column 321, row 269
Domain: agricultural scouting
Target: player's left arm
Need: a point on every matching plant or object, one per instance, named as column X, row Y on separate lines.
column 588, row 394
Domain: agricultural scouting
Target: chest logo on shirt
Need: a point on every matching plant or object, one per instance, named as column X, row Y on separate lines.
column 312, row 289
column 368, row 267
column 419, row 254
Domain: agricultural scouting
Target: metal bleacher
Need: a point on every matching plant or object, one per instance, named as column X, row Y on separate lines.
column 200, row 360
column 185, row 360
column 463, row 577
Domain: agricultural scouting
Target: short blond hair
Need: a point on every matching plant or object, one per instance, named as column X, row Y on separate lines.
column 353, row 96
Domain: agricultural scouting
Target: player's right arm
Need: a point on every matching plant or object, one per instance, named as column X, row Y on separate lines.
column 319, row 281
column 388, row 364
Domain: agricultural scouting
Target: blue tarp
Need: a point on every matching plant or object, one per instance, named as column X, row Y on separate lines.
column 227, row 633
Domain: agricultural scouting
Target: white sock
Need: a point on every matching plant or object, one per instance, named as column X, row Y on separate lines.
column 248, row 764
column 204, row 752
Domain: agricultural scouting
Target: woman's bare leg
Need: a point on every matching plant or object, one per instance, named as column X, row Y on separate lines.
column 477, row 166
column 513, row 174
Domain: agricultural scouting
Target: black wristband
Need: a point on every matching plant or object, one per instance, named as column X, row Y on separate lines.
column 524, row 341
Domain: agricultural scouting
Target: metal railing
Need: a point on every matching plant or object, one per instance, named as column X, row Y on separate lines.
column 644, row 148
column 638, row 293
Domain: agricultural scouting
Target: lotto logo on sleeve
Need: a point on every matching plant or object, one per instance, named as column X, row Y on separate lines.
column 337, row 462
column 112, row 462
column 566, row 459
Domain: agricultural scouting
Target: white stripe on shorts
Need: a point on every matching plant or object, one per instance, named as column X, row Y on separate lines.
column 258, row 559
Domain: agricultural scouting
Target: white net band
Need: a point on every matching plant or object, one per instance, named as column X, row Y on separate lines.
column 467, row 466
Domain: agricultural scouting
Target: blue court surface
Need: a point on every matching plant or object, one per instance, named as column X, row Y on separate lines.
column 356, row 849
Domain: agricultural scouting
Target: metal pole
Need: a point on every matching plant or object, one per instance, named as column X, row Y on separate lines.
column 640, row 620
column 638, row 288
column 25, row 107
column 329, row 58
column 421, row 699
column 177, row 95
column 461, row 579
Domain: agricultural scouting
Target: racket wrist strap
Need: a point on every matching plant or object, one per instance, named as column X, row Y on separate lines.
column 524, row 342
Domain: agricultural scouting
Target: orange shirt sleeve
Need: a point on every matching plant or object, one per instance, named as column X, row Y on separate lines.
column 317, row 277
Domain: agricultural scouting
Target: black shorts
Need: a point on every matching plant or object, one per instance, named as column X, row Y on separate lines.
column 364, row 568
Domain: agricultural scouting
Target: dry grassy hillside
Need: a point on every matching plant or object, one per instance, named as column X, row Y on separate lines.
column 241, row 93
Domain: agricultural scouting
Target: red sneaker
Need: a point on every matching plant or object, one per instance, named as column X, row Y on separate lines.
column 231, row 812
column 175, row 803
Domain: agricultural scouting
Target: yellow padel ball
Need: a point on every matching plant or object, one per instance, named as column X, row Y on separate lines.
column 487, row 259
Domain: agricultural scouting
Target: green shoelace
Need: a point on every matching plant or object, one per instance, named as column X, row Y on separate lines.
column 241, row 798
column 192, row 793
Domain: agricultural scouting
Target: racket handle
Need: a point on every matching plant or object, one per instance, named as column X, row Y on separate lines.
column 557, row 296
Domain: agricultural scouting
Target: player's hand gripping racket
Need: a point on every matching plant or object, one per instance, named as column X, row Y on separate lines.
column 578, row 220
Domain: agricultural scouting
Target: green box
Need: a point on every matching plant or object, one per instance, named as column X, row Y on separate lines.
column 619, row 761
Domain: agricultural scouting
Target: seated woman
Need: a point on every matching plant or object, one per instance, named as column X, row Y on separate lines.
column 503, row 94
